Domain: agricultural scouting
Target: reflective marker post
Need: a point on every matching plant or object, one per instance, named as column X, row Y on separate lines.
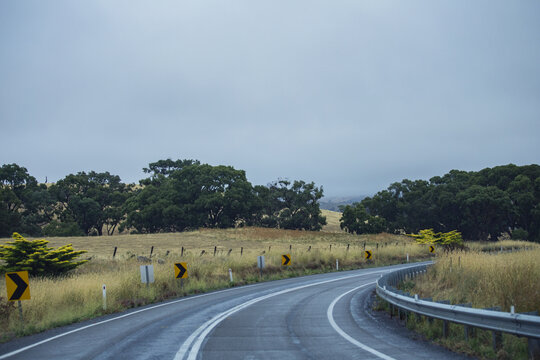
column 260, row 264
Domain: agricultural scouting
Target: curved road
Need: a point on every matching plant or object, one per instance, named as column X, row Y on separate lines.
column 314, row 317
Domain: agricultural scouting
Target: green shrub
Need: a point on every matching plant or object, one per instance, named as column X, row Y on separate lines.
column 37, row 258
column 520, row 234
column 56, row 228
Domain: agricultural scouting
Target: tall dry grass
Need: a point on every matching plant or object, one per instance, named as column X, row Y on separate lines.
column 78, row 296
column 486, row 279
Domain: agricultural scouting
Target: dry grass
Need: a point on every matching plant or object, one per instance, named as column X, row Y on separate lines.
column 78, row 296
column 332, row 221
column 252, row 239
column 486, row 279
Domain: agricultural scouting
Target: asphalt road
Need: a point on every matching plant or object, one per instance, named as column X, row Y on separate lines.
column 325, row 316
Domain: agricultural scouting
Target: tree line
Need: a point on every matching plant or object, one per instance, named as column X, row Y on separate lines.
column 481, row 205
column 177, row 195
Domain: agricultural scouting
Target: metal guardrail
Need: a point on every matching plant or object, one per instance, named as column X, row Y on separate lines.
column 516, row 324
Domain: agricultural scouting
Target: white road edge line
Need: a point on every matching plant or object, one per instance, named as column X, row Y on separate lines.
column 330, row 315
column 195, row 340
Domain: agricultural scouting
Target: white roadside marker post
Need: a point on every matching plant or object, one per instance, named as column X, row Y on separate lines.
column 104, row 288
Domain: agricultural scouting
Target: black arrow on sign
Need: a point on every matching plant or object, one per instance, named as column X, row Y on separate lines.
column 368, row 254
column 21, row 286
column 182, row 270
column 287, row 260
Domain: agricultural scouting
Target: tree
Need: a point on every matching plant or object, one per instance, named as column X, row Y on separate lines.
column 91, row 200
column 521, row 193
column 292, row 205
column 194, row 195
column 486, row 212
column 166, row 167
column 356, row 220
column 25, row 205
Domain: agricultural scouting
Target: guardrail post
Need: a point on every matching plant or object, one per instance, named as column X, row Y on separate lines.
column 445, row 328
column 466, row 331
column 534, row 349
column 496, row 340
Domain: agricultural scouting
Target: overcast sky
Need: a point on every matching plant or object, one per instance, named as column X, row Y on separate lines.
column 353, row 95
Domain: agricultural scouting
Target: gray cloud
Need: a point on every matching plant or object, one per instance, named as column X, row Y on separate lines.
column 352, row 95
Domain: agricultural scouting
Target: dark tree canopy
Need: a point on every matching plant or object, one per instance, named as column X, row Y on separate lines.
column 481, row 205
column 25, row 206
column 291, row 205
column 91, row 201
column 200, row 195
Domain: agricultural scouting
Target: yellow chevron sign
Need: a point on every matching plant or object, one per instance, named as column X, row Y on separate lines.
column 367, row 254
column 431, row 249
column 286, row 259
column 18, row 286
column 180, row 270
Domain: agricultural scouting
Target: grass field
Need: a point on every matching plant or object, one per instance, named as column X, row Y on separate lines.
column 78, row 296
column 332, row 221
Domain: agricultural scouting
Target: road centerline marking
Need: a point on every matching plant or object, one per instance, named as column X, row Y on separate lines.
column 193, row 343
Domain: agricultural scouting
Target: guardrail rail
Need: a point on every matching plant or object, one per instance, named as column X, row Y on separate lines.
column 520, row 324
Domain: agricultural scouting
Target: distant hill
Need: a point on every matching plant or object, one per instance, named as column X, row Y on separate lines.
column 333, row 202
